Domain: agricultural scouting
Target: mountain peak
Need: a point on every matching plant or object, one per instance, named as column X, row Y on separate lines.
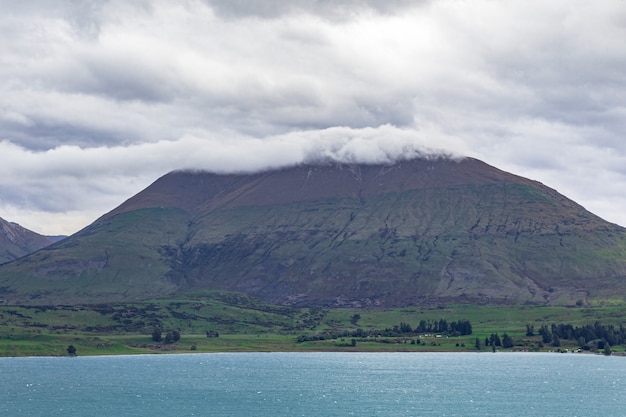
column 198, row 190
column 414, row 232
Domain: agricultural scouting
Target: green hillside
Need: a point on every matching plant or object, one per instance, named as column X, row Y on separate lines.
column 115, row 260
column 420, row 232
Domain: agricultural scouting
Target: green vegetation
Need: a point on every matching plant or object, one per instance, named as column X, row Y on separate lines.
column 421, row 232
column 231, row 322
column 97, row 262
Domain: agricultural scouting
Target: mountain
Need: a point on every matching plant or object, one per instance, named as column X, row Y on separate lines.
column 56, row 238
column 16, row 241
column 417, row 232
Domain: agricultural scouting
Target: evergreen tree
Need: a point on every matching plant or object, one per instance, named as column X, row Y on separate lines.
column 156, row 335
column 443, row 326
column 422, row 327
column 546, row 335
column 71, row 350
column 494, row 340
column 507, row 341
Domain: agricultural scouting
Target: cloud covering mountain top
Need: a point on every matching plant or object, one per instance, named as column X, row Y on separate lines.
column 102, row 97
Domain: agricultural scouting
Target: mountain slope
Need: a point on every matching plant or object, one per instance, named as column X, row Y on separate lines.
column 17, row 241
column 416, row 232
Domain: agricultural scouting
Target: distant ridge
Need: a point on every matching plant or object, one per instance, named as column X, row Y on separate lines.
column 17, row 241
column 56, row 238
column 416, row 232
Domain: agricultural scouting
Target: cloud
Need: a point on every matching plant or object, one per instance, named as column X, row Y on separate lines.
column 58, row 180
column 339, row 9
column 99, row 98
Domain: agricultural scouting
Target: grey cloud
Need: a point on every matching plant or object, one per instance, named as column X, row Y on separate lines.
column 125, row 80
column 340, row 9
column 259, row 93
column 83, row 15
column 37, row 195
column 43, row 135
column 142, row 87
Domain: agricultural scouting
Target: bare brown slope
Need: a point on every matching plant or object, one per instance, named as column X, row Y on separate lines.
column 198, row 191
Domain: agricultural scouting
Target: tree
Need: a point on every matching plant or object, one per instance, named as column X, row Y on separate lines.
column 71, row 350
column 467, row 328
column 156, row 335
column 507, row 341
column 607, row 350
column 460, row 328
column 172, row 336
column 477, row 344
column 546, row 335
column 422, row 327
column 494, row 340
column 530, row 330
column 443, row 326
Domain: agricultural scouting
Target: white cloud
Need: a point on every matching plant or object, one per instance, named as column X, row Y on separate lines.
column 100, row 98
column 69, row 179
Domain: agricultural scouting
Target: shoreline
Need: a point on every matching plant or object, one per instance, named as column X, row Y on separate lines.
column 321, row 351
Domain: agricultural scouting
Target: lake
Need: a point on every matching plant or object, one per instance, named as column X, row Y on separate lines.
column 315, row 384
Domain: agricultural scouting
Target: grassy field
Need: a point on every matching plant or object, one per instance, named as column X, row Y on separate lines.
column 245, row 324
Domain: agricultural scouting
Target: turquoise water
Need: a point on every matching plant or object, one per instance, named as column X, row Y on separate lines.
column 315, row 384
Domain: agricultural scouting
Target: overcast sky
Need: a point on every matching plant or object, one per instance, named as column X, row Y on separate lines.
column 100, row 98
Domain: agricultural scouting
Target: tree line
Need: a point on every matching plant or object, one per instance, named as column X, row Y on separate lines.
column 588, row 337
column 495, row 341
column 173, row 336
column 583, row 335
column 443, row 327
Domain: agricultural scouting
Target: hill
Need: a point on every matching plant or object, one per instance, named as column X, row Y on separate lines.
column 418, row 232
column 17, row 241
